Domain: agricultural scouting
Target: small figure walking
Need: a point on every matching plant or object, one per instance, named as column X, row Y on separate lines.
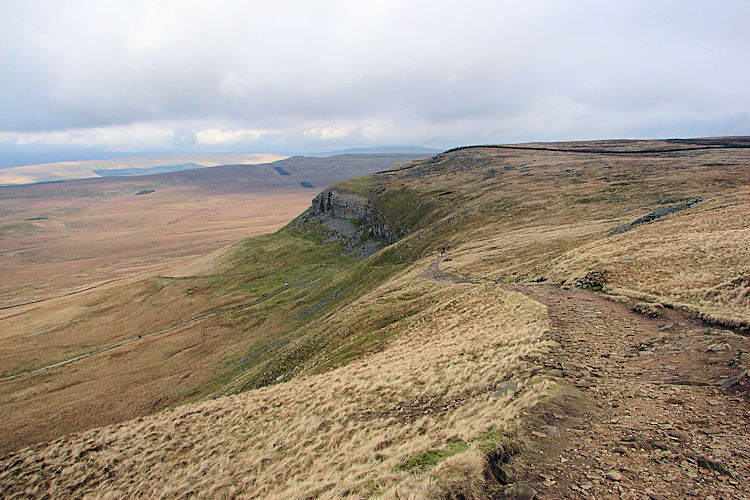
column 442, row 252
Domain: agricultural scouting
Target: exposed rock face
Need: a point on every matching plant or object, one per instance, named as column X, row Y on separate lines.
column 354, row 220
column 338, row 204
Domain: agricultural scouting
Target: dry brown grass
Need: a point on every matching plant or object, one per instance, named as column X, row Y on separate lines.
column 131, row 240
column 422, row 388
column 548, row 215
column 697, row 260
column 346, row 432
column 88, row 241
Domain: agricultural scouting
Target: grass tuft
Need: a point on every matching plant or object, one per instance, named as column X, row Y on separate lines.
column 432, row 457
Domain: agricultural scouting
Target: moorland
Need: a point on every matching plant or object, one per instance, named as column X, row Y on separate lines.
column 584, row 335
column 73, row 254
column 61, row 237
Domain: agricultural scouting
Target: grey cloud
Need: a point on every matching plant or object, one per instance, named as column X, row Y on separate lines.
column 435, row 73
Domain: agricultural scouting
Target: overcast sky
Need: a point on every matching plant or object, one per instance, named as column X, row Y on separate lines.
column 290, row 76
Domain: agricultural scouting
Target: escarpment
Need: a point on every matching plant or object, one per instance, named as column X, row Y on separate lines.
column 354, row 220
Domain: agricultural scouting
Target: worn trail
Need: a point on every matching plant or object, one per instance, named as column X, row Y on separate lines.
column 657, row 407
column 650, row 408
column 435, row 274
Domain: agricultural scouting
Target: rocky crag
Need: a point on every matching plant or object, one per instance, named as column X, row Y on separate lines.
column 353, row 220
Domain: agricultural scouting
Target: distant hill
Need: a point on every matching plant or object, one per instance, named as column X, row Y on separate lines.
column 131, row 165
column 284, row 174
column 158, row 169
column 417, row 150
column 109, row 166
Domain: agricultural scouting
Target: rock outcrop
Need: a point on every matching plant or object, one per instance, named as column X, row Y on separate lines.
column 340, row 204
column 661, row 212
column 353, row 219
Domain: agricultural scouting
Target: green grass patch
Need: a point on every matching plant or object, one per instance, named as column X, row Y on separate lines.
column 317, row 272
column 299, row 321
column 261, row 265
column 362, row 186
column 402, row 209
column 432, row 457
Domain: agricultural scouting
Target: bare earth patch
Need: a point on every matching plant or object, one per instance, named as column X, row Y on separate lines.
column 645, row 415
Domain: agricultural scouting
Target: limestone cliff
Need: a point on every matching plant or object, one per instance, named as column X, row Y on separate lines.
column 353, row 219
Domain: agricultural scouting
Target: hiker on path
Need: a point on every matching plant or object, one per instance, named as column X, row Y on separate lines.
column 442, row 252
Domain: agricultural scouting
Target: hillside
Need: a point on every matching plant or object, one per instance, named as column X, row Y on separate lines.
column 58, row 171
column 278, row 175
column 579, row 338
column 61, row 237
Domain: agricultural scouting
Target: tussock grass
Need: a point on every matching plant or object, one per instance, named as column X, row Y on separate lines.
column 348, row 432
column 383, row 386
column 517, row 216
column 696, row 261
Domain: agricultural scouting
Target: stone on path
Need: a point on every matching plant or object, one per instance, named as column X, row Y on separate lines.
column 520, row 492
column 613, row 475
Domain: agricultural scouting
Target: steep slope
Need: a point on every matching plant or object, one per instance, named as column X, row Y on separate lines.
column 362, row 429
column 397, row 375
column 60, row 237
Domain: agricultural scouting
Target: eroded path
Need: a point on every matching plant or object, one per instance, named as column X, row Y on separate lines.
column 644, row 414
column 435, row 274
column 649, row 408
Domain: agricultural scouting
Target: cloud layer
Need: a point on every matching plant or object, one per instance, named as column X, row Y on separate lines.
column 296, row 75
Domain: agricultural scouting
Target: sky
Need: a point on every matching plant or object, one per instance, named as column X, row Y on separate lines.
column 294, row 76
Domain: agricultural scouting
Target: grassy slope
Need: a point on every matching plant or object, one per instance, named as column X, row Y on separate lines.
column 326, row 317
column 415, row 417
column 550, row 215
column 392, row 373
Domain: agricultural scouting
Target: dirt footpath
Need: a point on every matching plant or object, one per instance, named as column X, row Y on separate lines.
column 644, row 414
